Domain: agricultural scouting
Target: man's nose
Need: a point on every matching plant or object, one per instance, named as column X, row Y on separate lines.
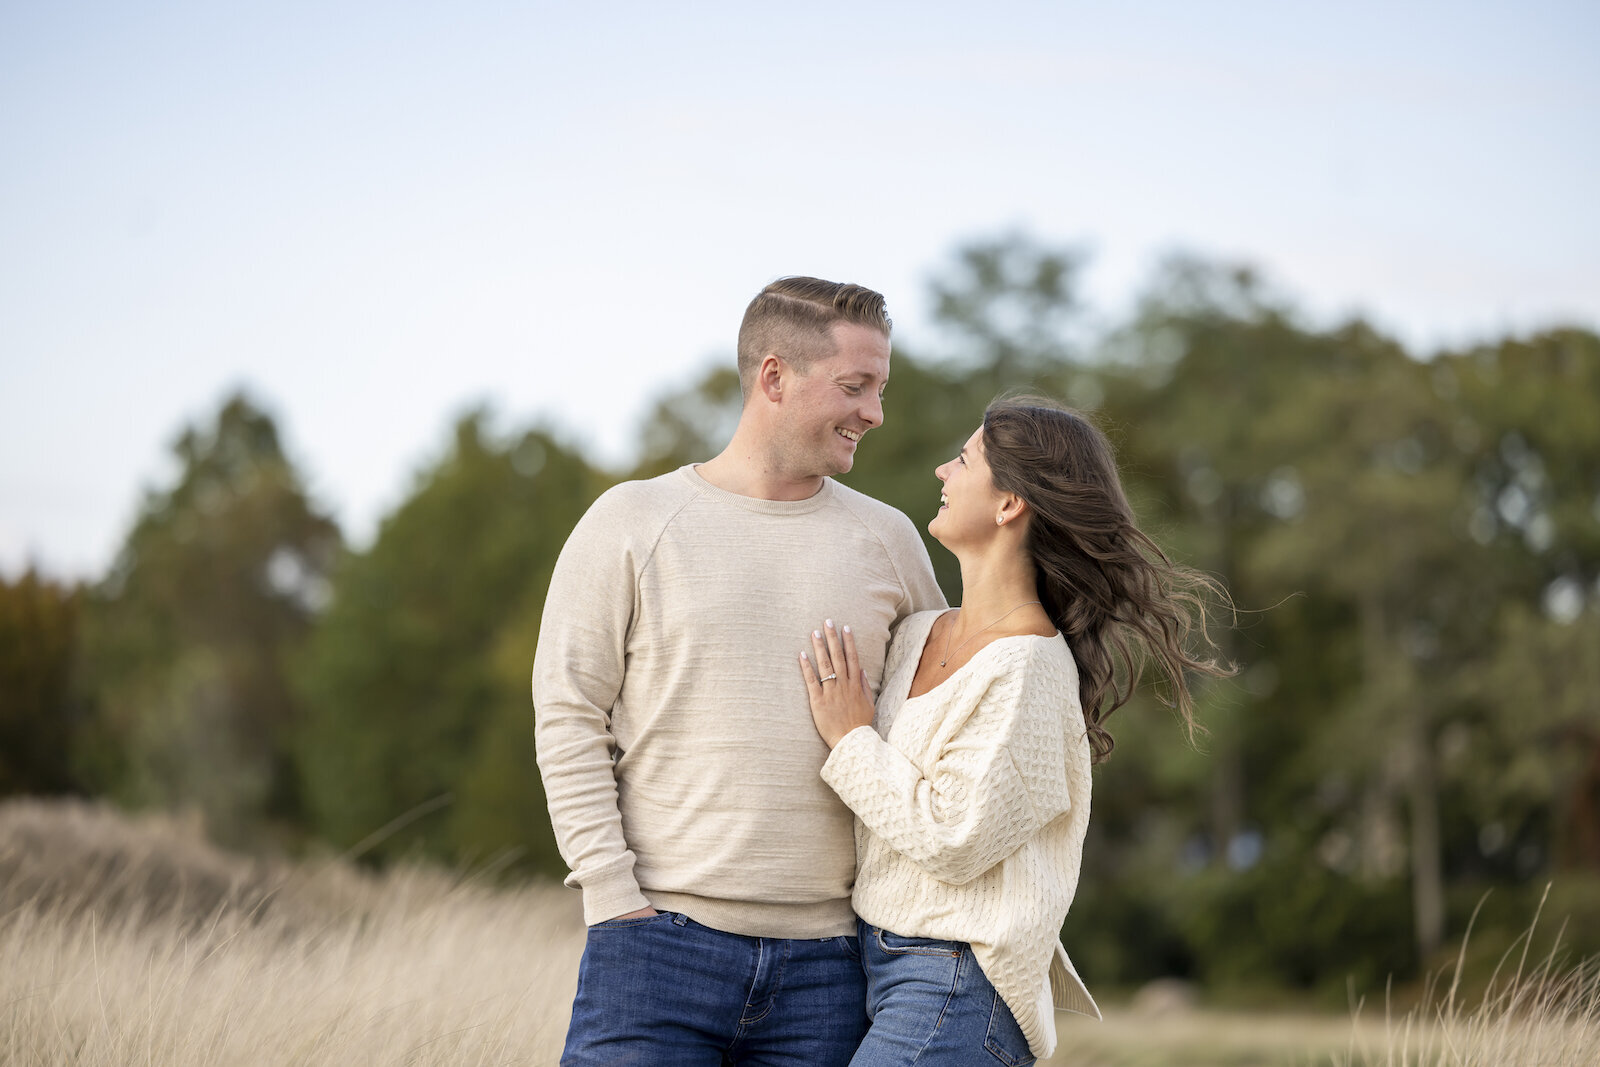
column 872, row 410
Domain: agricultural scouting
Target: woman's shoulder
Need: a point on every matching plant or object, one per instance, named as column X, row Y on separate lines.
column 1029, row 652
column 1029, row 670
column 1050, row 662
column 1054, row 653
column 1045, row 724
column 912, row 631
column 910, row 634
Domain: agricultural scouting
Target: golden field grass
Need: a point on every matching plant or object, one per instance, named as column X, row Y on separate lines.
column 130, row 941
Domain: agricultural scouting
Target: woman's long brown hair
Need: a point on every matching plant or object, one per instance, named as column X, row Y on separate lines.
column 1109, row 588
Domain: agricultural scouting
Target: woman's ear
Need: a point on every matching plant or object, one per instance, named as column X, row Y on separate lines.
column 1012, row 507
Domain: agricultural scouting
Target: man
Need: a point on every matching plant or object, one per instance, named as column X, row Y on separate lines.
column 674, row 736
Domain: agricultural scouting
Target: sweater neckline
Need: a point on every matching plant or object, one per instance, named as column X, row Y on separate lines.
column 758, row 504
column 911, row 675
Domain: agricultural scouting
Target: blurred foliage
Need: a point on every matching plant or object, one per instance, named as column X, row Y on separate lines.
column 1413, row 546
column 38, row 709
column 186, row 641
column 417, row 676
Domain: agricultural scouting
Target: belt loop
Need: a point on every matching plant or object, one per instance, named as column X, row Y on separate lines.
column 679, row 919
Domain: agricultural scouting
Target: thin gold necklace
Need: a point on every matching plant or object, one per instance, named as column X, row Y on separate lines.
column 952, row 631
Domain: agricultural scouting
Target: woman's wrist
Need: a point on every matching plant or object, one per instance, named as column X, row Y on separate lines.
column 848, row 730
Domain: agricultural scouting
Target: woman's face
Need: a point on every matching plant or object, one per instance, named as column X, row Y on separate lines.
column 970, row 503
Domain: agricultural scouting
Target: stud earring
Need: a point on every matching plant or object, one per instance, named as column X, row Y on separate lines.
column 999, row 520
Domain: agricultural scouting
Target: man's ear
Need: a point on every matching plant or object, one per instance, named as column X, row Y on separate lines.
column 769, row 377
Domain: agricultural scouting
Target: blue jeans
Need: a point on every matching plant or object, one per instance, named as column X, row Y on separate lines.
column 931, row 1005
column 664, row 991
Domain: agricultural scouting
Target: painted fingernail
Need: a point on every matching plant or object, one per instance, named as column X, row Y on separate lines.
column 846, row 627
column 828, row 623
column 805, row 657
column 817, row 634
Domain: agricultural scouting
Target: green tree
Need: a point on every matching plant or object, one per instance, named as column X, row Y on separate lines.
column 690, row 424
column 1195, row 390
column 417, row 677
column 185, row 640
column 1527, row 748
column 1407, row 511
column 1439, row 501
column 38, row 709
column 1011, row 308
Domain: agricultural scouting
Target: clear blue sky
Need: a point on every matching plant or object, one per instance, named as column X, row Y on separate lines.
column 374, row 215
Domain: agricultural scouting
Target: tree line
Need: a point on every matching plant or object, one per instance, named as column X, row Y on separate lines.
column 1413, row 545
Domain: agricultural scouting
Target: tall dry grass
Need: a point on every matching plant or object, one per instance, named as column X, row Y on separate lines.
column 130, row 941
column 1543, row 1012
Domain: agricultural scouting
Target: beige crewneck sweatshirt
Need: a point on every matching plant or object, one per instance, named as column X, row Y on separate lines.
column 972, row 801
column 673, row 732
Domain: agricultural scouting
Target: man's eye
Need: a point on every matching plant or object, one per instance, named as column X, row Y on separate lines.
column 853, row 390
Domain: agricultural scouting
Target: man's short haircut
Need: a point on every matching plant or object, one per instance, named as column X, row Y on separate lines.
column 791, row 318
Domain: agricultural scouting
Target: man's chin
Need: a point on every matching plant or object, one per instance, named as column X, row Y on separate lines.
column 834, row 460
column 845, row 458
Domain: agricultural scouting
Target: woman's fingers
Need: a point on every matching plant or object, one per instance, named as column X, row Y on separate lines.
column 826, row 662
column 836, row 655
column 813, row 687
column 832, row 665
column 852, row 661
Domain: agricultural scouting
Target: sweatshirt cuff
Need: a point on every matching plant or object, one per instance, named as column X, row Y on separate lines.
column 610, row 892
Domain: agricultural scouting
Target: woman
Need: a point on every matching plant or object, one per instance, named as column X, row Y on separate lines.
column 972, row 795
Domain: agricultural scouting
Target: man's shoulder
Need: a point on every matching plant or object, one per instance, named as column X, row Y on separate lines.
column 642, row 496
column 884, row 518
column 899, row 542
column 868, row 507
column 630, row 516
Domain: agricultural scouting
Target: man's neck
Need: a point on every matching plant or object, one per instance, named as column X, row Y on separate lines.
column 747, row 473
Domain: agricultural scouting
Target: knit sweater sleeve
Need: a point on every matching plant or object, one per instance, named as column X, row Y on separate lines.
column 577, row 674
column 967, row 805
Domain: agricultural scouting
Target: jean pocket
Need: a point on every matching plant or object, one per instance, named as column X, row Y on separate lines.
column 1005, row 1040
column 638, row 920
column 896, row 945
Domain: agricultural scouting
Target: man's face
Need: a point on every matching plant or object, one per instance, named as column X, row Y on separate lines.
column 835, row 402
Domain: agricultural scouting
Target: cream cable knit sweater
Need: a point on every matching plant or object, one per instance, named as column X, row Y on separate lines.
column 971, row 805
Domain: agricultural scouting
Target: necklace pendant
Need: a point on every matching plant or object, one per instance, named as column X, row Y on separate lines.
column 951, row 632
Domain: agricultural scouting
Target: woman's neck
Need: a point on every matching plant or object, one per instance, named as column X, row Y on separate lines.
column 993, row 583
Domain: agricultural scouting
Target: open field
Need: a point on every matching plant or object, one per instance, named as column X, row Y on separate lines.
column 132, row 942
